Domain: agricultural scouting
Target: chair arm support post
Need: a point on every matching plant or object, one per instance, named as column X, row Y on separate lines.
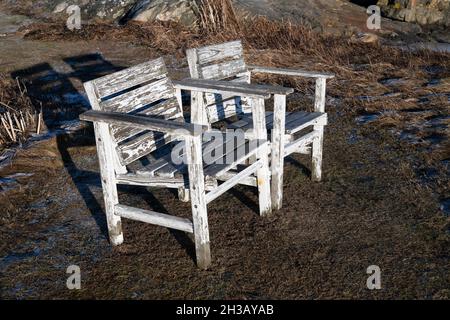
column 321, row 94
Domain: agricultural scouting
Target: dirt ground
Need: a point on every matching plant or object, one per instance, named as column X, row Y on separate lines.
column 383, row 200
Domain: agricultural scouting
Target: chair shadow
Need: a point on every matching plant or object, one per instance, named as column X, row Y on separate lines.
column 61, row 101
column 304, row 170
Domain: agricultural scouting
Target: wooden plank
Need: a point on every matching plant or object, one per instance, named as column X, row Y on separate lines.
column 95, row 104
column 198, row 202
column 321, row 95
column 219, row 87
column 278, row 144
column 246, row 181
column 140, row 97
column 317, row 154
column 110, row 196
column 129, row 78
column 171, row 112
column 237, row 88
column 133, row 179
column 226, row 109
column 146, row 123
column 142, row 145
column 221, row 162
column 304, row 120
column 300, row 143
column 223, row 70
column 292, row 72
column 210, row 54
column 230, row 183
column 263, row 174
column 156, row 218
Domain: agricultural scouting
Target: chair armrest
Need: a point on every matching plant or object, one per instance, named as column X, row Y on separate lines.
column 236, row 88
column 291, row 72
column 145, row 122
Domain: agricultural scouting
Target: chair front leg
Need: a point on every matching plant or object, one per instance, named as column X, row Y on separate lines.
column 263, row 174
column 105, row 154
column 198, row 201
column 278, row 144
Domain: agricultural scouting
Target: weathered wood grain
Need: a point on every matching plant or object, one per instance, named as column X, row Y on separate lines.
column 278, row 144
column 146, row 123
column 291, row 72
column 198, row 202
column 156, row 218
column 214, row 53
column 129, row 78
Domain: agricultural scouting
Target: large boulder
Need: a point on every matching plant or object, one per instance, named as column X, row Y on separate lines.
column 184, row 12
column 424, row 12
column 107, row 10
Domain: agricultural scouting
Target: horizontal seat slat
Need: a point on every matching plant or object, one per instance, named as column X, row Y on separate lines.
column 295, row 121
column 218, row 168
column 142, row 145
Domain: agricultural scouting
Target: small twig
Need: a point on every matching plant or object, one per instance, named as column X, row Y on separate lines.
column 11, row 126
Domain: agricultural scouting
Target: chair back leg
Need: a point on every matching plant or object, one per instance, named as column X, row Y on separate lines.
column 317, row 154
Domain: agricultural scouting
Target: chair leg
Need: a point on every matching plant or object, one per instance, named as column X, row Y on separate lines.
column 263, row 179
column 183, row 194
column 198, row 202
column 278, row 144
column 317, row 154
column 107, row 172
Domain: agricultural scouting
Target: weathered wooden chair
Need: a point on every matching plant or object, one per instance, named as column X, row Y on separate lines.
column 288, row 131
column 138, row 123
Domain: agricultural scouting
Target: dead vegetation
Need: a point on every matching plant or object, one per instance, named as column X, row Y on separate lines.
column 18, row 116
column 216, row 16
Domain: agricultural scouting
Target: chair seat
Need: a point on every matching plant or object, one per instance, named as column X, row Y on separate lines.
column 162, row 165
column 295, row 121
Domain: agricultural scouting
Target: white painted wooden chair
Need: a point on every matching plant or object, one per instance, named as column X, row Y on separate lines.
column 290, row 132
column 137, row 114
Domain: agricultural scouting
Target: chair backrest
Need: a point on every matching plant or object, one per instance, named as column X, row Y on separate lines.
column 141, row 90
column 221, row 62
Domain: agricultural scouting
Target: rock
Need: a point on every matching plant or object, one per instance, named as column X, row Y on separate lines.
column 108, row 10
column 424, row 12
column 366, row 38
column 180, row 11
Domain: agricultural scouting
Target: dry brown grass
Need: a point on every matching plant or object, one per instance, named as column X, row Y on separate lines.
column 17, row 114
column 216, row 16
